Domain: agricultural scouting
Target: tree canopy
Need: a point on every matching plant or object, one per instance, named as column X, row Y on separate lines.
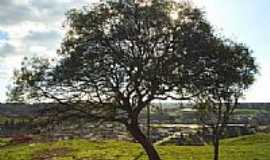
column 233, row 72
column 117, row 57
column 125, row 54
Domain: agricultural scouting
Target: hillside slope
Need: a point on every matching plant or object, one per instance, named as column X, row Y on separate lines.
column 255, row 147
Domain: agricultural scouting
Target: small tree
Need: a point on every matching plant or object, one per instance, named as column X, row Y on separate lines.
column 234, row 73
column 116, row 58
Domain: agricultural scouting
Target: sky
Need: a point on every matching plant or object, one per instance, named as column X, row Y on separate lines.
column 34, row 27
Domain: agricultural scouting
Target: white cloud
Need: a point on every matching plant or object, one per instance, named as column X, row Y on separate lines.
column 34, row 27
column 14, row 13
column 49, row 39
column 7, row 49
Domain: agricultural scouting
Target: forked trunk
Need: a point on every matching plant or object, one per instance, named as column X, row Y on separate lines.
column 144, row 141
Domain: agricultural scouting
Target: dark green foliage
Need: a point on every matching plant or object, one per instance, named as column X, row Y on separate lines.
column 233, row 72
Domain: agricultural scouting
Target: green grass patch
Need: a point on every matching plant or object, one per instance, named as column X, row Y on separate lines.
column 255, row 147
column 4, row 141
column 4, row 119
column 250, row 111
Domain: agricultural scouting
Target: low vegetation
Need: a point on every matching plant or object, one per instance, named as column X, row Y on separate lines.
column 4, row 141
column 254, row 147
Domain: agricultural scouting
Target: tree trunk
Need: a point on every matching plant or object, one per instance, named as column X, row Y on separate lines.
column 216, row 147
column 148, row 133
column 142, row 139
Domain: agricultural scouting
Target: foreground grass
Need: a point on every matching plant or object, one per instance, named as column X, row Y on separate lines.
column 255, row 147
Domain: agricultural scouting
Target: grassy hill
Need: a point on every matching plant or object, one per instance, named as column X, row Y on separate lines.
column 255, row 147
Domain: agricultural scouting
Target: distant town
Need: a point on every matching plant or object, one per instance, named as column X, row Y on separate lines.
column 169, row 123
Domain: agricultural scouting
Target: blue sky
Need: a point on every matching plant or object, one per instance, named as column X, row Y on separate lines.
column 33, row 27
column 246, row 21
column 3, row 36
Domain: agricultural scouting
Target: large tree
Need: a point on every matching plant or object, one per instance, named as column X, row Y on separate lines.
column 233, row 72
column 116, row 58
